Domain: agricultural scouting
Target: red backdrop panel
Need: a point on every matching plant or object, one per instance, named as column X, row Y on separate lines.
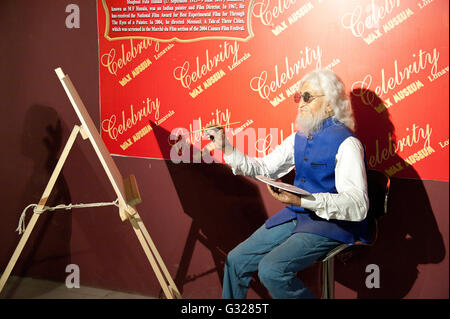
column 391, row 55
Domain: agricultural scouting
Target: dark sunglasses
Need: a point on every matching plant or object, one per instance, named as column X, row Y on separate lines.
column 307, row 97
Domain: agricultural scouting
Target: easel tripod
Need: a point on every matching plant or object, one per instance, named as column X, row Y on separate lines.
column 125, row 189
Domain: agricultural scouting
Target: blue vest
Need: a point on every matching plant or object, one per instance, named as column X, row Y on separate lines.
column 315, row 164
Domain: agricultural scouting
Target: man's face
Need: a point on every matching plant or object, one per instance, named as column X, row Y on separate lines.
column 311, row 113
column 314, row 106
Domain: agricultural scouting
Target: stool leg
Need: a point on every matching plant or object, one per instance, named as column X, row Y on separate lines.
column 324, row 280
column 328, row 279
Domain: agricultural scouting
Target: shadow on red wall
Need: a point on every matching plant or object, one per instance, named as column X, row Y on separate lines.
column 408, row 234
column 225, row 210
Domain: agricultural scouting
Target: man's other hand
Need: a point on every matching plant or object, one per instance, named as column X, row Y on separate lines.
column 284, row 197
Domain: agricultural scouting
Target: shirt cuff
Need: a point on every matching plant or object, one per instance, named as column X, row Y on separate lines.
column 314, row 202
column 230, row 158
column 234, row 160
column 309, row 202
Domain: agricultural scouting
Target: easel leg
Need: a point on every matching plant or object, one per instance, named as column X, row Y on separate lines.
column 42, row 202
column 18, row 250
column 172, row 286
column 149, row 252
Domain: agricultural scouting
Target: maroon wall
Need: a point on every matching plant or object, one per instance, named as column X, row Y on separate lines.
column 189, row 210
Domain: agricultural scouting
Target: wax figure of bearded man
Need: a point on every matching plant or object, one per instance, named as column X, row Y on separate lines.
column 330, row 164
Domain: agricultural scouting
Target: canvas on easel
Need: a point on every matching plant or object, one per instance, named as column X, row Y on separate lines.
column 126, row 191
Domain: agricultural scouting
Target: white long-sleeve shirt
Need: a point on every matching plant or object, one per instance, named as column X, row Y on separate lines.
column 350, row 203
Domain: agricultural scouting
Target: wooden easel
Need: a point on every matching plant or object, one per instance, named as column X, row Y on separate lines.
column 126, row 190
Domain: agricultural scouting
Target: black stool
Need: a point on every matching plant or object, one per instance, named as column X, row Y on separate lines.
column 378, row 188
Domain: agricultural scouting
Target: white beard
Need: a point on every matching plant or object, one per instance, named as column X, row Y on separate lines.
column 310, row 123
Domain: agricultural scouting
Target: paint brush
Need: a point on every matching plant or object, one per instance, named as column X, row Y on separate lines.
column 207, row 128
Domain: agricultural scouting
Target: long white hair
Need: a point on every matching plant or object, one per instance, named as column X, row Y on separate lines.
column 332, row 86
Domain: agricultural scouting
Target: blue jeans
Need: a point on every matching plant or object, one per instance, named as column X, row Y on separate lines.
column 278, row 255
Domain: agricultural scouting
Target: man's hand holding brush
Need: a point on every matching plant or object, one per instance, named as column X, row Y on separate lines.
column 217, row 134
